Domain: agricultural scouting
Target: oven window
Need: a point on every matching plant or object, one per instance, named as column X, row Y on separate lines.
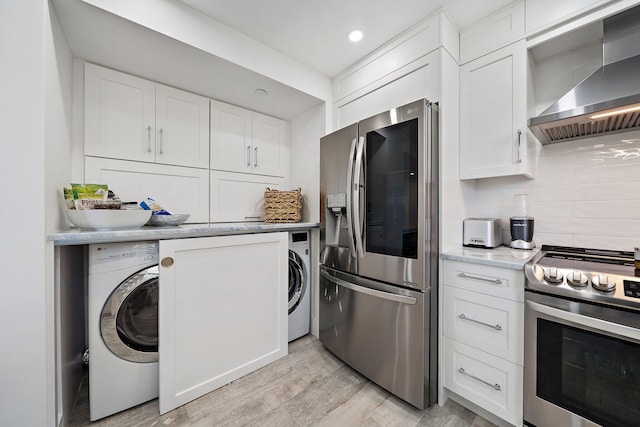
column 592, row 375
column 392, row 190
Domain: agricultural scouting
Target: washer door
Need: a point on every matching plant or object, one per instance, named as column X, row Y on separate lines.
column 129, row 318
column 297, row 280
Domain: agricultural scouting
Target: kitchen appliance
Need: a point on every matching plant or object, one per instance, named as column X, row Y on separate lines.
column 606, row 101
column 481, row 232
column 299, row 285
column 521, row 223
column 123, row 326
column 582, row 338
column 379, row 249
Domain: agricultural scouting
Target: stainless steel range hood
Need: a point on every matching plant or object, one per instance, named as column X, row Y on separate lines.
column 606, row 101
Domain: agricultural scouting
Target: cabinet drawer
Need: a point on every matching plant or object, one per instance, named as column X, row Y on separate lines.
column 500, row 282
column 492, row 324
column 488, row 381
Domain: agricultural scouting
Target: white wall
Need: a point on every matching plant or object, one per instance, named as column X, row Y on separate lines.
column 585, row 194
column 25, row 397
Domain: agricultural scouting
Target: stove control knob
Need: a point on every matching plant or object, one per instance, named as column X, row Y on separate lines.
column 577, row 278
column 604, row 283
column 552, row 275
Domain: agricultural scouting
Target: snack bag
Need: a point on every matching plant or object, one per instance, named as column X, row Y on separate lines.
column 151, row 205
column 86, row 195
column 68, row 198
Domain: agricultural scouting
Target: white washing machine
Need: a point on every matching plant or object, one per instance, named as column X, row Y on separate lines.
column 123, row 326
column 299, row 285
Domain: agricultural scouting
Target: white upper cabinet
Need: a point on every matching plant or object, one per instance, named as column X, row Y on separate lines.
column 542, row 14
column 497, row 30
column 493, row 139
column 182, row 122
column 130, row 118
column 248, row 142
column 119, row 115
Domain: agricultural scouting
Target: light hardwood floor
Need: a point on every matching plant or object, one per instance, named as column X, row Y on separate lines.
column 308, row 387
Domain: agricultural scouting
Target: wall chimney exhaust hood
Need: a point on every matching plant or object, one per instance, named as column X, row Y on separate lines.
column 606, row 101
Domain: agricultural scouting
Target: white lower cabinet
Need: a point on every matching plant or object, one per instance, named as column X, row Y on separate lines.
column 483, row 337
column 239, row 197
column 484, row 379
column 179, row 189
column 222, row 311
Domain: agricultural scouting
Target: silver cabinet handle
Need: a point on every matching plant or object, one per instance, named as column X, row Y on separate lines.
column 161, row 135
column 248, row 155
column 148, row 139
column 493, row 386
column 255, row 157
column 496, row 327
column 468, row 276
column 519, row 139
column 252, row 217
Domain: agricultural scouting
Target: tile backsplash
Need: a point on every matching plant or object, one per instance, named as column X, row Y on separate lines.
column 586, row 193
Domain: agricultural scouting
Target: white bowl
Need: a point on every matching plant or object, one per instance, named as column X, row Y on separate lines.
column 175, row 219
column 108, row 219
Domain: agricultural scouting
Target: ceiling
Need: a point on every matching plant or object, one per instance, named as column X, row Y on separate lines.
column 315, row 31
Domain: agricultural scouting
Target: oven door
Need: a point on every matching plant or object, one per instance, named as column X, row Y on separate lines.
column 582, row 363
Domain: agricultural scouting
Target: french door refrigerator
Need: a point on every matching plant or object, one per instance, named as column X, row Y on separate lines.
column 379, row 249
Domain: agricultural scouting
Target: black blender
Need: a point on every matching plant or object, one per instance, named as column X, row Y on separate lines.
column 521, row 223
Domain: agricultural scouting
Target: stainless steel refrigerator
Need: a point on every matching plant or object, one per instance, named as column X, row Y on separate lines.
column 379, row 249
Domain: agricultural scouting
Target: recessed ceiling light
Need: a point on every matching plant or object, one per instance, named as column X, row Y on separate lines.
column 260, row 92
column 355, row 35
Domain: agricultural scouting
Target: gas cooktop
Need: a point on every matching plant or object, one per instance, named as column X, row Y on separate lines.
column 601, row 276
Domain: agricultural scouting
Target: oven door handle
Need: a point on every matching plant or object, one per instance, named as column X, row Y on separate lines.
column 606, row 327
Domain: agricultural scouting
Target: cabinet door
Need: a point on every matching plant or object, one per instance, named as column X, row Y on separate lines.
column 218, row 319
column 269, row 156
column 119, row 115
column 182, row 128
column 240, row 196
column 178, row 189
column 493, row 114
column 231, row 148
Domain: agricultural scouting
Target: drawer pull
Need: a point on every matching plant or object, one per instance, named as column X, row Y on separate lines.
column 493, row 386
column 496, row 327
column 468, row 276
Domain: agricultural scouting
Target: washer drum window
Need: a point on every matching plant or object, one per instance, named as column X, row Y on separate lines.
column 129, row 318
column 297, row 280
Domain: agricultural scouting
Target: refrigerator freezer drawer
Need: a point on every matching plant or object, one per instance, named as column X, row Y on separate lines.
column 381, row 331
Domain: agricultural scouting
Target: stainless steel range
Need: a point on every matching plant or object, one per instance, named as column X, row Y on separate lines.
column 582, row 338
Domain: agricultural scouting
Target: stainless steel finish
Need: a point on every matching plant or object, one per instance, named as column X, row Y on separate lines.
column 369, row 291
column 496, row 327
column 255, row 157
column 522, row 244
column 606, row 321
column 482, row 232
column 615, row 85
column 482, row 279
column 109, row 315
column 337, row 153
column 399, row 270
column 393, row 351
column 536, row 278
column 357, row 185
column 378, row 312
column 519, row 145
column 161, row 137
column 248, row 156
column 493, row 386
column 148, row 139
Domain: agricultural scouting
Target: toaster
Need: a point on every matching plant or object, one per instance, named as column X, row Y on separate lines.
column 482, row 232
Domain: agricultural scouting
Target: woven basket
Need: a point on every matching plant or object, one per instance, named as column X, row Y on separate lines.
column 282, row 206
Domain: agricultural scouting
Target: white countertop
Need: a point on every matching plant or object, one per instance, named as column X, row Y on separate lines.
column 76, row 236
column 502, row 256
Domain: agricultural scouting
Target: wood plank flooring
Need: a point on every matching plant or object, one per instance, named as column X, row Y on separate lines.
column 308, row 387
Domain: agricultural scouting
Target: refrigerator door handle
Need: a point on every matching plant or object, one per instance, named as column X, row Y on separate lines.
column 373, row 292
column 356, row 197
column 352, row 245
